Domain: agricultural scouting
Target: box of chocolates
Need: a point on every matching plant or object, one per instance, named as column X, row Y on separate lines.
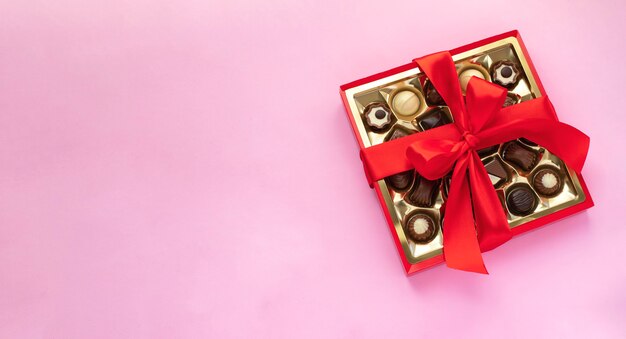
column 464, row 151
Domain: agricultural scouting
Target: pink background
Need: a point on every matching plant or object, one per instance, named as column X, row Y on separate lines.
column 186, row 170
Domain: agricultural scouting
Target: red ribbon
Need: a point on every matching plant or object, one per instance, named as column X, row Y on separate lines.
column 475, row 221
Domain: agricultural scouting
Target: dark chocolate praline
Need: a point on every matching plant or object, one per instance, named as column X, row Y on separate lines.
column 433, row 97
column 434, row 118
column 400, row 182
column 496, row 171
column 521, row 200
column 487, row 151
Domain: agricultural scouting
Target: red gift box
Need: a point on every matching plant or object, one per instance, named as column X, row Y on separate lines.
column 432, row 153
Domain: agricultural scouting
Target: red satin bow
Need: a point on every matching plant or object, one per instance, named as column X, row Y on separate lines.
column 474, row 221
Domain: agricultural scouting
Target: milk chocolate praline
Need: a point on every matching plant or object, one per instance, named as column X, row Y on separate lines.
column 548, row 182
column 420, row 228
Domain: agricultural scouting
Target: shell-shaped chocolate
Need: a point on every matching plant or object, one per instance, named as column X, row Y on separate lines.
column 524, row 157
column 424, row 192
column 400, row 182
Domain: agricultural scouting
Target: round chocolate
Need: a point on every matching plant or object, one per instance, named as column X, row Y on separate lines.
column 420, row 228
column 548, row 182
column 466, row 75
column 405, row 103
column 521, row 200
column 378, row 117
column 505, row 73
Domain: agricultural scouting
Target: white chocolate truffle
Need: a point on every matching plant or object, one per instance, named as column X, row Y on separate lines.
column 405, row 103
column 467, row 74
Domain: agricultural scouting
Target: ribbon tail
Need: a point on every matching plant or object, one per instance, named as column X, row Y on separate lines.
column 461, row 249
column 491, row 223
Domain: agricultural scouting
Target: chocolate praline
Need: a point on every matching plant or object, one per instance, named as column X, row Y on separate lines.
column 520, row 155
column 505, row 73
column 378, row 117
column 521, row 200
column 420, row 228
column 400, row 182
column 433, row 97
column 548, row 182
column 423, row 193
column 434, row 118
column 496, row 171
column 398, row 132
column 511, row 99
column 488, row 151
column 406, row 101
column 466, row 74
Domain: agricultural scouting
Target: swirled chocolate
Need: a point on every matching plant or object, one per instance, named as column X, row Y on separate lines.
column 548, row 182
column 523, row 156
column 521, row 200
column 420, row 228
